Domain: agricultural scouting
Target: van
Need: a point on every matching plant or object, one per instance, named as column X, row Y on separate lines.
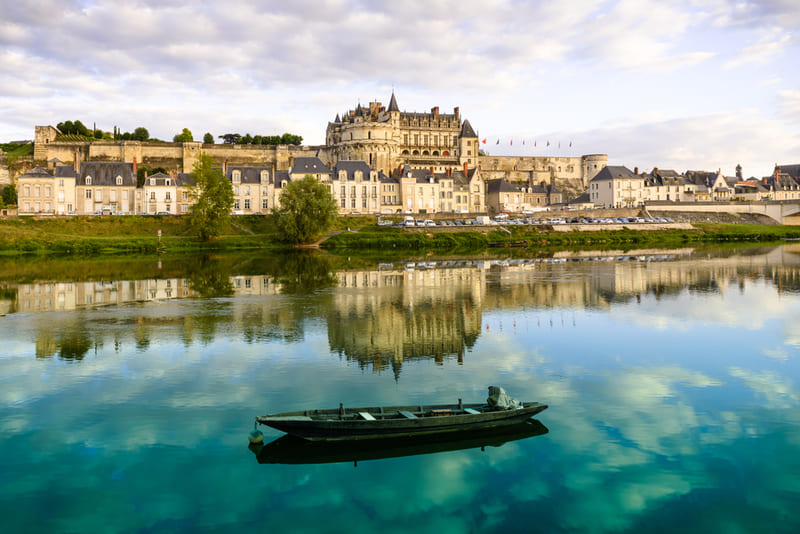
column 408, row 221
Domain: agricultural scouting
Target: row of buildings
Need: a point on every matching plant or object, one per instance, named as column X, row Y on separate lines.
column 619, row 187
column 91, row 188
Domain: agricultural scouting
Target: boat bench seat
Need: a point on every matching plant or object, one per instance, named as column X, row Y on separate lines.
column 366, row 415
column 471, row 411
column 407, row 414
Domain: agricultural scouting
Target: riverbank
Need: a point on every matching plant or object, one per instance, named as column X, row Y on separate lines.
column 140, row 235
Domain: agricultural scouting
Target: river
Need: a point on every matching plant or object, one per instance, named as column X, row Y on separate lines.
column 128, row 388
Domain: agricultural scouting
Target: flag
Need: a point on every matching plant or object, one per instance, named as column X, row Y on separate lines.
column 511, row 142
column 484, row 141
column 548, row 143
column 498, row 141
column 534, row 142
column 570, row 143
column 559, row 144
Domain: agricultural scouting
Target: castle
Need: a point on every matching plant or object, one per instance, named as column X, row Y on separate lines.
column 386, row 139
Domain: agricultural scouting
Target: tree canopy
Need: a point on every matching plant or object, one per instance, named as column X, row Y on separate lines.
column 208, row 138
column 9, row 195
column 307, row 210
column 184, row 137
column 214, row 199
column 247, row 139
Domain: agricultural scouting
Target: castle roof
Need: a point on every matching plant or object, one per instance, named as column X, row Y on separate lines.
column 393, row 104
column 466, row 130
column 105, row 173
column 791, row 170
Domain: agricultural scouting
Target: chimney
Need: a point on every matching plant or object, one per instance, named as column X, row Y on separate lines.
column 145, row 175
column 435, row 112
column 76, row 162
column 655, row 170
column 135, row 168
column 455, row 112
column 225, row 167
column 466, row 174
column 432, row 173
column 636, row 171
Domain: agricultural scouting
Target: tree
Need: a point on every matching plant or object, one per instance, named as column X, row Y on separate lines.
column 9, row 195
column 291, row 139
column 230, row 138
column 214, row 199
column 307, row 210
column 208, row 138
column 140, row 134
column 184, row 137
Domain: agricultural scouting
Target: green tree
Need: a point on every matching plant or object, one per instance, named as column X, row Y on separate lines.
column 230, row 138
column 307, row 210
column 291, row 139
column 208, row 138
column 213, row 196
column 140, row 134
column 9, row 195
column 184, row 137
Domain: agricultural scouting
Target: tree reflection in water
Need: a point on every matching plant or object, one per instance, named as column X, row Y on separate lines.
column 210, row 277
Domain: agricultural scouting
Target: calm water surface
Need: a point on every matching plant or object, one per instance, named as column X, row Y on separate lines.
column 126, row 395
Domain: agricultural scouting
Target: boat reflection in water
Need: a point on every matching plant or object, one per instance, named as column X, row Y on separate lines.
column 293, row 450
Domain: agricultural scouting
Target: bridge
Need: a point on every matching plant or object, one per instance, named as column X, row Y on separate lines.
column 782, row 211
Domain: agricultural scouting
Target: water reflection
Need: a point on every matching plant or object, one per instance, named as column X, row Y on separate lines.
column 383, row 315
column 293, row 450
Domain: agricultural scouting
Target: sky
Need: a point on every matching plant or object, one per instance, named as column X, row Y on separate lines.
column 673, row 84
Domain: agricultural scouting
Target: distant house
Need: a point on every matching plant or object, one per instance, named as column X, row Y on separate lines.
column 36, row 192
column 105, row 188
column 617, row 187
column 355, row 187
column 253, row 188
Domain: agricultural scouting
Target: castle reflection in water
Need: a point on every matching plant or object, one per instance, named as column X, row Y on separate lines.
column 395, row 312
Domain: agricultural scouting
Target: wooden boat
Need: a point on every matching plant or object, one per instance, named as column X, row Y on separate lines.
column 397, row 421
column 290, row 449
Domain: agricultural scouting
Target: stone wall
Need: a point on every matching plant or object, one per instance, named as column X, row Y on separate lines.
column 4, row 177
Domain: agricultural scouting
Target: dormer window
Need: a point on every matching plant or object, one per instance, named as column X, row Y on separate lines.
column 263, row 177
column 237, row 177
column 119, row 180
column 152, row 181
column 167, row 182
column 88, row 180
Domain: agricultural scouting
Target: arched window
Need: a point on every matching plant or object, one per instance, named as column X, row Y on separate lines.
column 119, row 180
column 88, row 180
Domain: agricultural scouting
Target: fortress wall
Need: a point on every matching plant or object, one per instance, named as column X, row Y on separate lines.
column 4, row 177
column 173, row 156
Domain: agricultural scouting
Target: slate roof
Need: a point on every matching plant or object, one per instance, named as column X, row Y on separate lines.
column 386, row 179
column 105, row 173
column 612, row 172
column 500, row 186
column 280, row 176
column 309, row 165
column 350, row 167
column 466, row 130
column 37, row 172
column 791, row 170
column 393, row 103
column 185, row 179
column 249, row 175
column 65, row 171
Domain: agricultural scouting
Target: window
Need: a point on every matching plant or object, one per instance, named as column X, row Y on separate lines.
column 88, row 193
column 237, row 177
column 152, row 181
column 247, row 203
column 88, row 180
column 61, row 183
column 168, row 196
column 113, row 196
column 119, row 180
column 236, row 204
column 47, row 191
column 27, row 189
column 125, row 194
column 185, row 195
column 152, row 195
column 264, row 204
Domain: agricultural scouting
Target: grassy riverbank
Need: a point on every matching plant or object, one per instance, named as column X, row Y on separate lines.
column 374, row 238
column 139, row 235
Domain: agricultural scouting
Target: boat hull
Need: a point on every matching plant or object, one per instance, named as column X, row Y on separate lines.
column 332, row 425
